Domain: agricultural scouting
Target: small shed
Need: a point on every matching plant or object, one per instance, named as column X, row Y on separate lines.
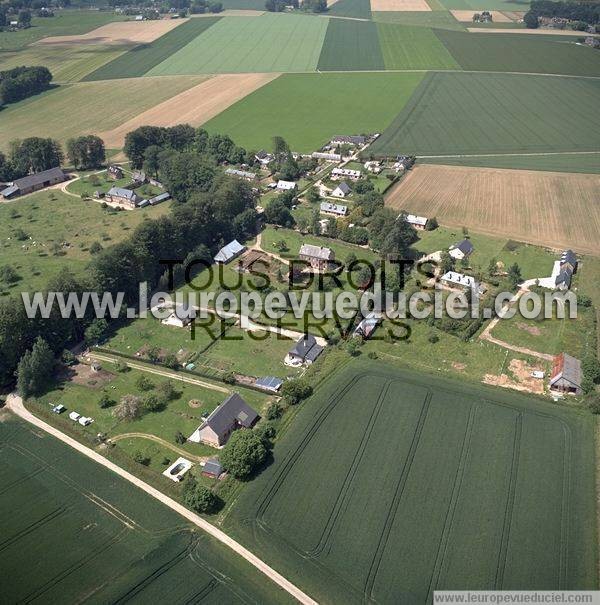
column 212, row 468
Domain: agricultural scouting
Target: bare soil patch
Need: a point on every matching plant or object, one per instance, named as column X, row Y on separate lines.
column 555, row 209
column 519, row 378
column 460, row 367
column 194, row 106
column 400, row 5
column 530, row 329
column 83, row 375
column 466, row 16
column 117, row 33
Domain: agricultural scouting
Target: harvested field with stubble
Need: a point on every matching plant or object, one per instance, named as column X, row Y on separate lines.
column 550, row 208
column 194, row 106
column 400, row 5
column 117, row 33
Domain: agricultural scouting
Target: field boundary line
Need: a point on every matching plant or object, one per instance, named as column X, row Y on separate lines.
column 566, row 501
column 501, row 155
column 57, row 512
column 15, row 404
column 398, row 493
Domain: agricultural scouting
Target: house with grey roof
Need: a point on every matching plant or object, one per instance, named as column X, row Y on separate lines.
column 34, row 182
column 340, row 139
column 566, row 374
column 461, row 250
column 569, row 260
column 342, row 190
column 305, row 351
column 564, row 278
column 317, row 256
column 212, row 468
column 229, row 252
column 234, row 413
column 123, row 197
column 334, row 209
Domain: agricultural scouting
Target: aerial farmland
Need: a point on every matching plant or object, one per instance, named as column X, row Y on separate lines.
column 195, row 196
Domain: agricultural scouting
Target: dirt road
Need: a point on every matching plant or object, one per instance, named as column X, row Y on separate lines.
column 14, row 403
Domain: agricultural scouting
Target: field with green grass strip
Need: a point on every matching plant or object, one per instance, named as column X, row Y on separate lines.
column 144, row 57
column 316, row 107
column 351, row 45
column 525, row 53
column 467, row 113
column 74, row 531
column 407, row 47
column 271, row 43
column 393, row 484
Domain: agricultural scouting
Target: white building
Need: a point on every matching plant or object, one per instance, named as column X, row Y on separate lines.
column 334, row 209
column 286, row 185
column 342, row 190
column 418, row 222
column 338, row 173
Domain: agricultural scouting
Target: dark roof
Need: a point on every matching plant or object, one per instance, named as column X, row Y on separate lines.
column 270, row 383
column 568, row 256
column 41, row 177
column 303, row 345
column 568, row 368
column 9, row 191
column 314, row 353
column 564, row 277
column 466, row 247
column 212, row 467
column 234, row 410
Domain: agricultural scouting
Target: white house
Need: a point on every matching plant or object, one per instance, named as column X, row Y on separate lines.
column 334, row 209
column 342, row 190
column 418, row 222
column 286, row 185
column 181, row 317
column 461, row 250
column 229, row 252
column 338, row 173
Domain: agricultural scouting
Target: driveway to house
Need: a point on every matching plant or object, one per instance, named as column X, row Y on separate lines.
column 163, row 442
column 14, row 403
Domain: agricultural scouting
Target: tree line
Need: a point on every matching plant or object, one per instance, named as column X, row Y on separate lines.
column 586, row 13
column 22, row 82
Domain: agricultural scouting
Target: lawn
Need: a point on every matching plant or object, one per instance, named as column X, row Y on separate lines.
column 90, row 107
column 407, row 47
column 78, row 532
column 523, row 53
column 144, row 57
column 317, row 106
column 393, row 484
column 351, row 45
column 534, row 261
column 495, row 113
column 270, row 43
column 359, row 9
column 64, row 23
column 59, row 230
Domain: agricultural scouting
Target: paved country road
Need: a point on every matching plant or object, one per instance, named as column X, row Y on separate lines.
column 14, row 403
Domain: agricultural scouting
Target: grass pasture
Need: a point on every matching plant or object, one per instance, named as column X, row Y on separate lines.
column 406, row 47
column 509, row 203
column 351, row 45
column 393, row 484
column 74, row 531
column 358, row 9
column 317, row 107
column 520, row 53
column 144, row 57
column 495, row 114
column 270, row 43
column 86, row 107
column 52, row 218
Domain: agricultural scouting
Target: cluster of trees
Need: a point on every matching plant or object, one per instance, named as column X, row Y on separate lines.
column 33, row 154
column 584, row 13
column 15, row 11
column 22, row 82
column 86, row 152
column 314, row 6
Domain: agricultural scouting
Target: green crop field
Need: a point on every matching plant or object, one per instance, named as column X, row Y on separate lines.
column 351, row 45
column 271, row 43
column 394, row 484
column 317, row 107
column 436, row 18
column 52, row 218
column 358, row 9
column 86, row 107
column 64, row 23
column 73, row 531
column 525, row 53
column 144, row 57
column 495, row 113
column 406, row 47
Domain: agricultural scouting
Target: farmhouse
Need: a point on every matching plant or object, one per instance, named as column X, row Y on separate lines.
column 241, row 174
column 568, row 260
column 453, row 279
column 229, row 252
column 318, row 257
column 461, row 250
column 305, row 351
column 338, row 173
column 114, row 172
column 334, row 209
column 342, row 190
column 286, row 185
column 418, row 222
column 323, row 155
column 566, row 374
column 34, row 182
column 263, row 158
column 232, row 414
column 339, row 139
column 123, row 197
column 181, row 317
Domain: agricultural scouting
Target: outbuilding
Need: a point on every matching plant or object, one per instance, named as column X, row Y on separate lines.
column 566, row 374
